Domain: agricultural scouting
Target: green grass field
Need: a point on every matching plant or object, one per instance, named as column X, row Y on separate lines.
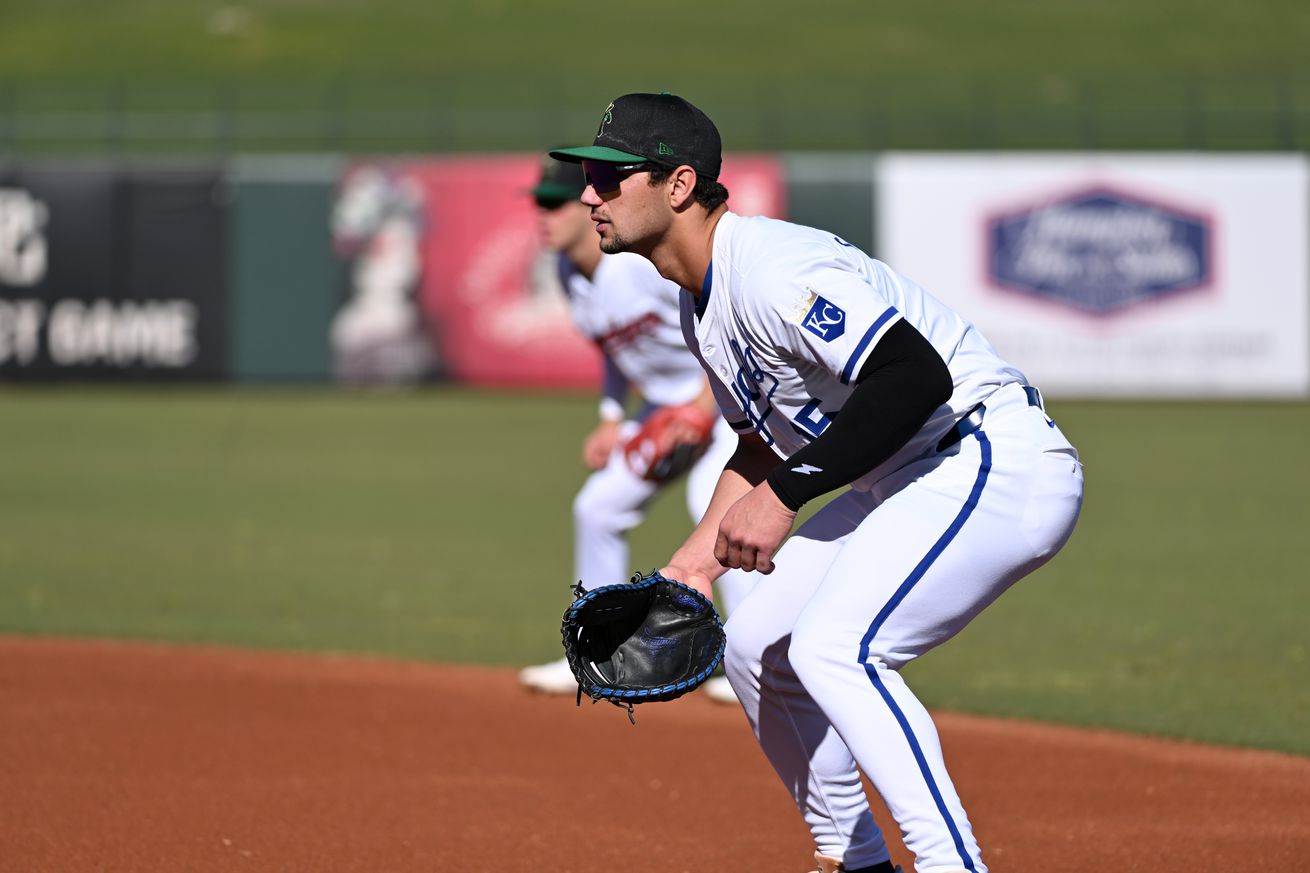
column 839, row 74
column 147, row 37
column 435, row 525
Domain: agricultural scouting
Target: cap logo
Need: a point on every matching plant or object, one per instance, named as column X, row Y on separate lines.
column 665, row 150
column 605, row 119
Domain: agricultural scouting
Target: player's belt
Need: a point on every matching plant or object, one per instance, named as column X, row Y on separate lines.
column 974, row 419
column 965, row 426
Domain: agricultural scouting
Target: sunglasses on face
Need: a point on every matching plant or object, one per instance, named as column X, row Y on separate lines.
column 550, row 205
column 606, row 177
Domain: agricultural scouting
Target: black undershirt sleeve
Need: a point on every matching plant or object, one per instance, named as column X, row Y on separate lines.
column 901, row 384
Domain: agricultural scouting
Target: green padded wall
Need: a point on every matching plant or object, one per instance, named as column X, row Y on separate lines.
column 285, row 280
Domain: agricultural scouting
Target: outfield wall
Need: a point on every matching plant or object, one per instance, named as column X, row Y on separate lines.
column 1115, row 275
column 1107, row 275
column 112, row 272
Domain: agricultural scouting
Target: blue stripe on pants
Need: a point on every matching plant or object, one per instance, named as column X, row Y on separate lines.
column 938, row 547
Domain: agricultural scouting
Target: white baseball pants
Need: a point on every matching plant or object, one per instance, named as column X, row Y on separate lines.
column 867, row 585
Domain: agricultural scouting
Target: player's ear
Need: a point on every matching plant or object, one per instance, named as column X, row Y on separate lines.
column 682, row 183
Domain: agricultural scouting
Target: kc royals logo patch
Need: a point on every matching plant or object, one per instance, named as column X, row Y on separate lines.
column 1100, row 250
column 825, row 320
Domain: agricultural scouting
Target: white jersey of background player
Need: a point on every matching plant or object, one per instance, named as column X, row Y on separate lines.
column 850, row 374
column 632, row 313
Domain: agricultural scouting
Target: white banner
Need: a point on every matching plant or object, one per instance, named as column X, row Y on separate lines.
column 1115, row 275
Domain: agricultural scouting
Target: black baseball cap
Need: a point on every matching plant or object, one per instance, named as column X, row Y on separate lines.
column 559, row 181
column 659, row 128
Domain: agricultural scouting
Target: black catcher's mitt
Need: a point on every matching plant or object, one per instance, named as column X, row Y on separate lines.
column 651, row 639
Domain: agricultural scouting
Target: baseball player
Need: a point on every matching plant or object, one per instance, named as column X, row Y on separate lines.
column 835, row 370
column 632, row 314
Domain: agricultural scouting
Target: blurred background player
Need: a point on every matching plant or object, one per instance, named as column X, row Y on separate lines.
column 632, row 314
column 377, row 223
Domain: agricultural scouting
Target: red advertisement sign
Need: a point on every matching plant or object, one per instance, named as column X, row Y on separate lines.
column 486, row 289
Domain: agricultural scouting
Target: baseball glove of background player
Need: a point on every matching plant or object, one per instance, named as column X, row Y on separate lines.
column 649, row 640
column 670, row 441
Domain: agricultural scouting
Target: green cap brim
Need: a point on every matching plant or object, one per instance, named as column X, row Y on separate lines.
column 556, row 191
column 596, row 153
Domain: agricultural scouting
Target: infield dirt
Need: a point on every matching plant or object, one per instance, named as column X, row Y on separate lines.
column 124, row 756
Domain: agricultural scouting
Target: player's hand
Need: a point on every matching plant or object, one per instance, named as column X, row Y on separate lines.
column 752, row 530
column 599, row 443
column 699, row 581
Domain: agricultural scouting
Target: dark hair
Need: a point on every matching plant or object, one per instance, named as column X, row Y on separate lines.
column 708, row 192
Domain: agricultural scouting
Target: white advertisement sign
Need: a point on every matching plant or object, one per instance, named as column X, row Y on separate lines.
column 1115, row 275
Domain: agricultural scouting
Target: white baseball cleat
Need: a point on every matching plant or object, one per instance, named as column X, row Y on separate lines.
column 552, row 678
column 832, row 865
column 720, row 690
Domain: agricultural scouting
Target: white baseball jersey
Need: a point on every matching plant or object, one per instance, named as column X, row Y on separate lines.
column 632, row 313
column 789, row 314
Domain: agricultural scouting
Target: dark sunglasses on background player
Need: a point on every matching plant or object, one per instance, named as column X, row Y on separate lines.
column 550, row 204
column 606, row 177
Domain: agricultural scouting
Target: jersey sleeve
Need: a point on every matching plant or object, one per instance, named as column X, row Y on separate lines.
column 821, row 311
column 614, row 384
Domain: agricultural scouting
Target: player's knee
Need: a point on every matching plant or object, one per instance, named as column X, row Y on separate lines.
column 818, row 647
column 744, row 649
column 738, row 653
column 817, row 651
column 810, row 653
column 593, row 509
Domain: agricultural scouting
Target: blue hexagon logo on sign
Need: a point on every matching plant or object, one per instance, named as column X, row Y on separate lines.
column 1099, row 251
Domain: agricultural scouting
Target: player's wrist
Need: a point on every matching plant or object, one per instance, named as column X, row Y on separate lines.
column 610, row 411
column 699, row 581
column 780, row 482
column 699, row 563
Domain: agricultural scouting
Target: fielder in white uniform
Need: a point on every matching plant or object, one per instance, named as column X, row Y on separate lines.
column 632, row 313
column 837, row 370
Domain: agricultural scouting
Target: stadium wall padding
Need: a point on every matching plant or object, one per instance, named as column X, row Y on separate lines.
column 834, row 192
column 112, row 271
column 268, row 268
column 286, row 282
